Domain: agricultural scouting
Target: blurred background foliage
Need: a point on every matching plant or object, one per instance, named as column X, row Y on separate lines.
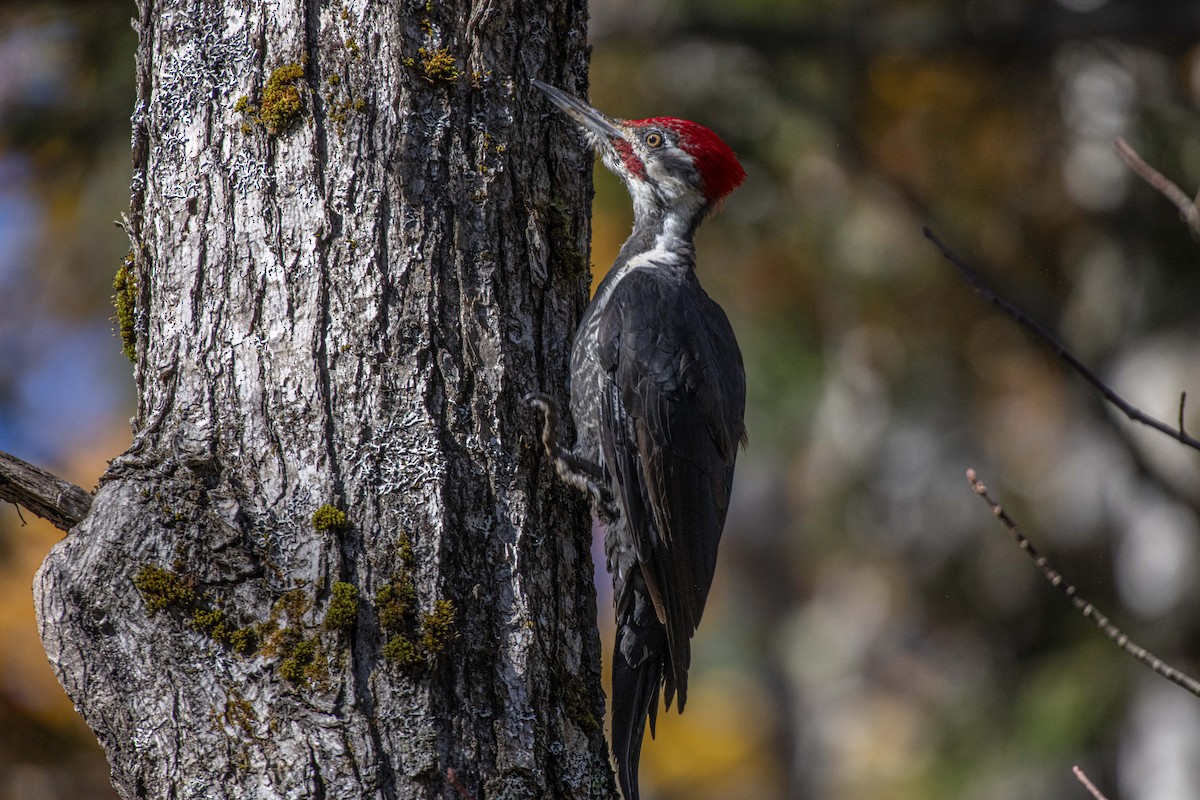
column 872, row 631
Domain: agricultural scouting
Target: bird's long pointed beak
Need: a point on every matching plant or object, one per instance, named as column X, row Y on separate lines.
column 584, row 115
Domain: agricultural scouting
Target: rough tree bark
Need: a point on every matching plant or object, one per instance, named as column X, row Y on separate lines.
column 358, row 238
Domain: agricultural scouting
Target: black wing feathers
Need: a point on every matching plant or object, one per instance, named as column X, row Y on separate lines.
column 670, row 425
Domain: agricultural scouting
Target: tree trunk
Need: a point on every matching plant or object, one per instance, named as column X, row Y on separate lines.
column 334, row 562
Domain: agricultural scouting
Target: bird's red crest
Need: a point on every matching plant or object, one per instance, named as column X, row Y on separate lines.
column 718, row 165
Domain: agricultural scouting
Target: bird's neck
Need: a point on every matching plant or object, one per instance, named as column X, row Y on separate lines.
column 662, row 230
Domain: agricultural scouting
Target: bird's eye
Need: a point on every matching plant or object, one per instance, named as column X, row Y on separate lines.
column 654, row 139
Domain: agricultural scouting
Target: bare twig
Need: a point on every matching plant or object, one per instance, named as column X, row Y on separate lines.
column 1089, row 611
column 1126, row 408
column 50, row 497
column 1082, row 777
column 1186, row 205
column 1182, row 402
column 463, row 792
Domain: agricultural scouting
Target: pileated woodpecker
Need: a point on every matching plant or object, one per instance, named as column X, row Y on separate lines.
column 657, row 395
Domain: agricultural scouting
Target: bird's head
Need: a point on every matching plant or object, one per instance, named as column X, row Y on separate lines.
column 668, row 164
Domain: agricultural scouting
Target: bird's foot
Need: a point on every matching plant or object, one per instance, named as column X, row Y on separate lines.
column 571, row 468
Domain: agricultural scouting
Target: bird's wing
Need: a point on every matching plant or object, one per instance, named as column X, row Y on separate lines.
column 670, row 426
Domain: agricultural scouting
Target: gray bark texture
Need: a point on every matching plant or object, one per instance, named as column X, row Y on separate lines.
column 344, row 284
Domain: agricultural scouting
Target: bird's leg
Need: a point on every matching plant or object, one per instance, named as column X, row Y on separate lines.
column 576, row 471
column 571, row 468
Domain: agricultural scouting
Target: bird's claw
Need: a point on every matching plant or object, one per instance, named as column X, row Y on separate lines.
column 539, row 400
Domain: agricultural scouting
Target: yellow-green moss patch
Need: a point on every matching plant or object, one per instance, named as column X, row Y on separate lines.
column 209, row 620
column 404, row 549
column 239, row 713
column 243, row 641
column 413, row 643
column 298, row 661
column 437, row 627
column 162, row 589
column 215, row 623
column 394, row 601
column 281, row 99
column 301, row 660
column 328, row 518
column 249, row 113
column 403, row 652
column 438, row 65
column 343, row 607
column 125, row 302
column 341, row 103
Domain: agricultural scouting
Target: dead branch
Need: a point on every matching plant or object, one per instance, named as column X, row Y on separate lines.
column 1188, row 211
column 1124, row 406
column 1175, row 676
column 62, row 503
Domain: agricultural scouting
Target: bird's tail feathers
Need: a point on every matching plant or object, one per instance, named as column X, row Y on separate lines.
column 639, row 659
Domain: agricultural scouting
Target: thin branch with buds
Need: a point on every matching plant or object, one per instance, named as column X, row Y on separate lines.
column 1161, row 668
column 1188, row 210
column 1124, row 406
column 1082, row 777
